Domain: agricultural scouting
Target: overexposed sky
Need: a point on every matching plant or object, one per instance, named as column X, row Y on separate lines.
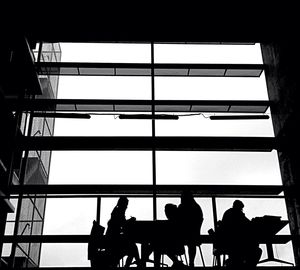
column 135, row 167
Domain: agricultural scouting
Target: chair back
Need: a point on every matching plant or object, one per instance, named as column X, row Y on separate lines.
column 96, row 240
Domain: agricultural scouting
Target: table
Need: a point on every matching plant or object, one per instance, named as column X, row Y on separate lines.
column 266, row 228
column 154, row 232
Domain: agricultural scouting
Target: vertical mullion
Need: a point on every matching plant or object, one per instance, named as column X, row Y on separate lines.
column 20, row 198
column 98, row 213
column 153, row 133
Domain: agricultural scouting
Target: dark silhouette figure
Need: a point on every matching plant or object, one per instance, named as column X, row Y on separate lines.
column 191, row 219
column 174, row 241
column 238, row 238
column 118, row 241
column 169, row 241
column 97, row 247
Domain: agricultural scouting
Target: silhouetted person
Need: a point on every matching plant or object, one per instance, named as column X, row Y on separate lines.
column 118, row 241
column 239, row 239
column 174, row 242
column 191, row 219
column 169, row 241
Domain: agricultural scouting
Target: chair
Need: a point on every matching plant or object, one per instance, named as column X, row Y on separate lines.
column 218, row 249
column 97, row 246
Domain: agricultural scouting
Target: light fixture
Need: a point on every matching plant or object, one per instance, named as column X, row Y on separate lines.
column 149, row 116
column 238, row 117
column 62, row 115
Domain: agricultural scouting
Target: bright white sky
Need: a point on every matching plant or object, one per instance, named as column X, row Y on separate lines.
column 125, row 167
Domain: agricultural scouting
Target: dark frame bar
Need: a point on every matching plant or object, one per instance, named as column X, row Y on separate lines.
column 135, row 105
column 143, row 190
column 144, row 69
column 261, row 144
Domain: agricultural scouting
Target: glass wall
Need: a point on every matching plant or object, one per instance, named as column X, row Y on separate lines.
column 148, row 171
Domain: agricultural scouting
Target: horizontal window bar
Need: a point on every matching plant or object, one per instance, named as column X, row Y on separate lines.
column 144, row 69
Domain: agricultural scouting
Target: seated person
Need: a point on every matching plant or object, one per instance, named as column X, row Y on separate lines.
column 169, row 242
column 239, row 240
column 119, row 243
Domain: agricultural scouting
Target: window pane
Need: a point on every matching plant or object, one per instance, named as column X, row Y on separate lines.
column 105, row 52
column 257, row 207
column 210, row 88
column 140, row 208
column 205, row 204
column 218, row 168
column 106, row 87
column 64, row 255
column 69, row 215
column 102, row 125
column 101, row 167
column 205, row 53
column 199, row 124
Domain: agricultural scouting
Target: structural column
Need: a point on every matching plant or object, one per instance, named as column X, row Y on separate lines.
column 282, row 64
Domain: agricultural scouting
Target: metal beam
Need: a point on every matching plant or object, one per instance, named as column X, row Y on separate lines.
column 207, row 239
column 260, row 144
column 147, row 190
column 121, row 105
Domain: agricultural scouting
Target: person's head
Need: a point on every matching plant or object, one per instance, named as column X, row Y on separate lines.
column 170, row 210
column 187, row 197
column 238, row 205
column 122, row 202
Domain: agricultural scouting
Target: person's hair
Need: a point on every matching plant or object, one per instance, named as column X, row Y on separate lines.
column 170, row 210
column 238, row 204
column 187, row 196
column 123, row 200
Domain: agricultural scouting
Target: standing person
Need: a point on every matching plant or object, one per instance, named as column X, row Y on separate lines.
column 118, row 241
column 239, row 238
column 191, row 219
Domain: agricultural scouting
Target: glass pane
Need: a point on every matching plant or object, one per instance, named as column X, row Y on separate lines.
column 205, row 53
column 258, row 207
column 209, row 88
column 205, row 204
column 107, row 87
column 105, row 52
column 218, row 168
column 37, row 167
column 9, row 228
column 102, row 125
column 64, row 255
column 12, row 216
column 101, row 167
column 26, row 214
column 69, row 215
column 199, row 124
column 6, row 250
column 140, row 208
